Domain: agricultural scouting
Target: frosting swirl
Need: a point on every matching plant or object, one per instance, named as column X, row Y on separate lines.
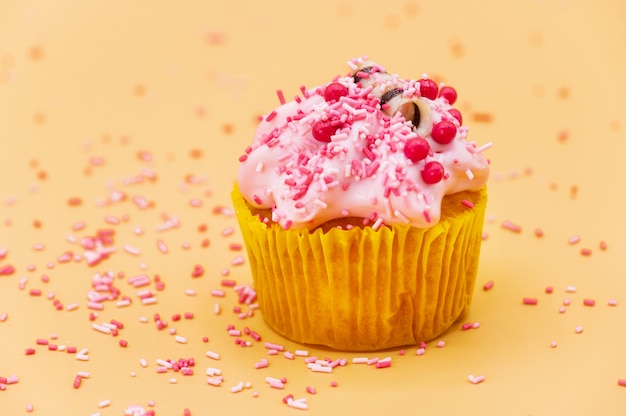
column 368, row 145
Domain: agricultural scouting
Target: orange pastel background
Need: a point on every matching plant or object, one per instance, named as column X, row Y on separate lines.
column 155, row 102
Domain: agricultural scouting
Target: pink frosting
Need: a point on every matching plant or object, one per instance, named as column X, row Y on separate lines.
column 363, row 170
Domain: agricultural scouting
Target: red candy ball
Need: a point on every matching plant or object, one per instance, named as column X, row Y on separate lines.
column 433, row 172
column 443, row 132
column 335, row 91
column 428, row 88
column 322, row 130
column 416, row 149
column 456, row 114
column 449, row 94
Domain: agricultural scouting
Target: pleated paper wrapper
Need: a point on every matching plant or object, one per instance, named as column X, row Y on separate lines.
column 363, row 289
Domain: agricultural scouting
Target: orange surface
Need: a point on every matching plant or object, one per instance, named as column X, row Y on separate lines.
column 158, row 101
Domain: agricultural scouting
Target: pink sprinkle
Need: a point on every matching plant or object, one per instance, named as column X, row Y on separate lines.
column 589, row 302
column 553, row 344
column 218, row 293
column 488, row 285
column 567, row 301
column 281, row 97
column 3, row 316
column 7, row 270
column 549, row 289
column 35, row 292
column 383, row 364
column 585, row 252
column 272, row 346
column 539, row 232
column 621, row 382
column 573, row 239
column 162, row 246
column 562, row 309
column 441, row 344
column 311, row 389
column 466, row 326
column 612, row 302
column 579, row 329
column 333, row 384
column 198, row 271
column 529, row 301
column 603, row 245
column 467, row 203
column 239, row 260
column 508, row 225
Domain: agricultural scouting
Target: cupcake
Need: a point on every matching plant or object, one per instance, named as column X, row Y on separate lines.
column 361, row 205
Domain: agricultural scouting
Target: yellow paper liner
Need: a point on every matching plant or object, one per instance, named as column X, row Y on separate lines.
column 364, row 289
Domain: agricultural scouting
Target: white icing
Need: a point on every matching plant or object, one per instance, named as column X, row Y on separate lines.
column 285, row 157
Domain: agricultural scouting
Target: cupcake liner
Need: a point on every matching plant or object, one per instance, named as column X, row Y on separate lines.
column 364, row 289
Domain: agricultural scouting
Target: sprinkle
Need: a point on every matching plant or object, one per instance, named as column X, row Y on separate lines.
column 612, row 302
column 281, row 97
column 104, row 403
column 579, row 329
column 272, row 346
column 359, row 360
column 573, row 239
column 585, row 252
column 553, row 344
column 529, row 301
column 302, row 353
column 508, row 225
column 181, row 340
column 589, row 302
column 213, row 355
column 101, row 328
column 311, row 390
column 476, row 380
column 484, row 147
column 467, row 203
column 549, row 289
column 621, row 382
column 567, row 301
column 488, row 285
column 420, row 351
column 570, row 289
column 441, row 344
column 469, row 174
column 298, row 404
column 538, row 232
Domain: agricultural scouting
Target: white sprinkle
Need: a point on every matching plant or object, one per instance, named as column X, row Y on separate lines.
column 302, row 353
column 441, row 344
column 469, row 174
column 217, row 309
column 359, row 360
column 213, row 355
column 149, row 301
column 132, row 250
column 570, row 289
column 579, row 329
column 173, row 381
column 143, row 363
column 237, row 388
column 298, row 404
column 259, row 167
column 122, row 303
column 420, row 351
column 190, row 292
column 377, row 223
column 320, row 368
column 104, row 403
column 211, row 371
column 181, row 340
column 164, row 363
column 476, row 380
column 484, row 147
column 101, row 328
